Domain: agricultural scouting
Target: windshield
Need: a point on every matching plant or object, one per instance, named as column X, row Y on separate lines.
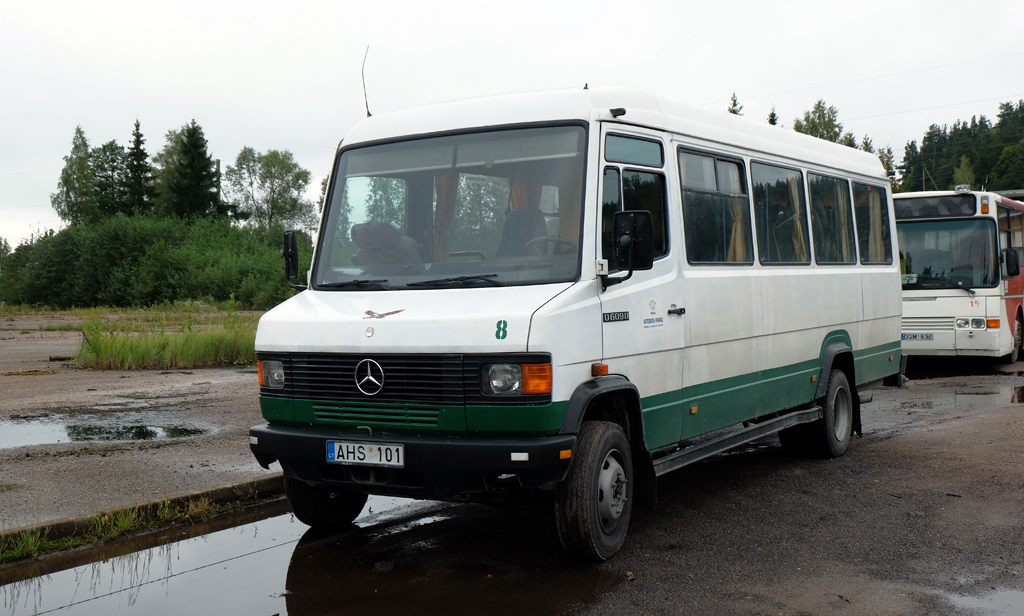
column 481, row 209
column 948, row 254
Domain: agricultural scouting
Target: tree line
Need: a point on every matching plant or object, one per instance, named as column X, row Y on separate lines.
column 981, row 154
column 147, row 229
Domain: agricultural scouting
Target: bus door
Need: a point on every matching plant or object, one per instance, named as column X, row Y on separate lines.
column 643, row 317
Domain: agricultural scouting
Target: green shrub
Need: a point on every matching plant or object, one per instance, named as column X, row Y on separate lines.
column 146, row 260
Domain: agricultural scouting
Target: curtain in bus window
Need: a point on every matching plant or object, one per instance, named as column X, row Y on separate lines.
column 445, row 189
column 739, row 241
column 870, row 207
column 799, row 233
column 842, row 196
column 830, row 220
column 729, row 181
column 780, row 214
column 569, row 202
column 875, row 248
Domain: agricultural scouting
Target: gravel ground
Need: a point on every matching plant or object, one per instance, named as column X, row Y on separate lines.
column 201, row 419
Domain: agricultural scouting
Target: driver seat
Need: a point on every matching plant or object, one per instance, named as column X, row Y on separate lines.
column 519, row 228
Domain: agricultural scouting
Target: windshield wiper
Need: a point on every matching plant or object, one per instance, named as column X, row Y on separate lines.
column 380, row 284
column 477, row 278
column 948, row 284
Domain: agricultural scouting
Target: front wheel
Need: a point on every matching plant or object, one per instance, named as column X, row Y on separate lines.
column 593, row 503
column 320, row 506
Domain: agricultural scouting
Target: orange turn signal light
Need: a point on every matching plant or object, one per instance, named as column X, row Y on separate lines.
column 565, row 454
column 259, row 371
column 536, row 378
column 598, row 369
column 992, row 323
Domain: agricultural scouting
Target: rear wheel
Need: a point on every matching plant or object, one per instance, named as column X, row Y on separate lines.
column 830, row 435
column 594, row 502
column 321, row 506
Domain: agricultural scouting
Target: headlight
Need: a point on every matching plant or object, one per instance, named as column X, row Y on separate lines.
column 503, row 380
column 977, row 323
column 963, row 323
column 271, row 374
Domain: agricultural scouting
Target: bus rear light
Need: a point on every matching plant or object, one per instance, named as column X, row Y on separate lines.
column 992, row 324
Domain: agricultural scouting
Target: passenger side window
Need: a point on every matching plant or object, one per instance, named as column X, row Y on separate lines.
column 780, row 214
column 871, row 205
column 716, row 212
column 831, row 220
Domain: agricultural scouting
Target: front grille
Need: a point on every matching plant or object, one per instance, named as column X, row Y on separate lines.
column 927, row 324
column 413, row 416
column 419, row 384
column 437, row 379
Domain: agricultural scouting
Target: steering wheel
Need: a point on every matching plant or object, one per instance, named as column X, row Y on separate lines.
column 534, row 244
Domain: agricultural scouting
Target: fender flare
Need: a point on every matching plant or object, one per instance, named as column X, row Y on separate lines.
column 587, row 391
column 827, row 359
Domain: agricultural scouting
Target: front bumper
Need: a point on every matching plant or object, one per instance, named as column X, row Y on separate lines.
column 436, row 467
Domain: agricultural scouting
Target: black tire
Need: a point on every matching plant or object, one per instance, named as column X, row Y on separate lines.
column 320, row 506
column 1018, row 334
column 594, row 502
column 831, row 433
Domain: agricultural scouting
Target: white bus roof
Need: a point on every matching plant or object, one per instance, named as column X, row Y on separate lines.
column 1017, row 205
column 643, row 108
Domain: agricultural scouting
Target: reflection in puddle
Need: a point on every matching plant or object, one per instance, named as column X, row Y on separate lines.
column 240, row 570
column 1000, row 602
column 967, row 398
column 51, row 429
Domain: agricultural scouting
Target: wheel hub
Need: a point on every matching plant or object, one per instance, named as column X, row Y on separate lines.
column 611, row 492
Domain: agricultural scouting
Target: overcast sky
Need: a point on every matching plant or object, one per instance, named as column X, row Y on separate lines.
column 286, row 76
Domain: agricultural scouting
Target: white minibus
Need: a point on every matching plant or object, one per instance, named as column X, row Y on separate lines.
column 562, row 295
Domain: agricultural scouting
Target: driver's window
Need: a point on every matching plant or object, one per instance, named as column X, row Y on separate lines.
column 631, row 189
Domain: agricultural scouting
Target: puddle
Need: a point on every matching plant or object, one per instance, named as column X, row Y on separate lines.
column 967, row 398
column 50, row 429
column 238, row 570
column 399, row 557
column 1001, row 602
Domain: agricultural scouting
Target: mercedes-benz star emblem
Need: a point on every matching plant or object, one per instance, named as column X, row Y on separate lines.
column 369, row 377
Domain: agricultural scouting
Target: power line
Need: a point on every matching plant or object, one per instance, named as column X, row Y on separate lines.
column 984, row 100
column 862, row 79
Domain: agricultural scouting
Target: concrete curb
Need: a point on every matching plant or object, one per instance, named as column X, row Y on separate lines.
column 250, row 490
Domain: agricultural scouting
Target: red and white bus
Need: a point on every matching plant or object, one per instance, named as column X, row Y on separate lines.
column 960, row 260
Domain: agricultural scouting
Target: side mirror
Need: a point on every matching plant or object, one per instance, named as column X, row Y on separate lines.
column 633, row 232
column 290, row 252
column 1011, row 263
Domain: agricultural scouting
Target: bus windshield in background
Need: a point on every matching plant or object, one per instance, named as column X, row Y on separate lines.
column 948, row 254
column 941, row 206
column 478, row 209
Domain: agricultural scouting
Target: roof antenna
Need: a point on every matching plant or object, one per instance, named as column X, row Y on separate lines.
column 364, row 81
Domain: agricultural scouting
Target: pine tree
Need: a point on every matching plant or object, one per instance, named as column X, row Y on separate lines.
column 193, row 188
column 735, row 107
column 109, row 168
column 138, row 181
column 773, row 118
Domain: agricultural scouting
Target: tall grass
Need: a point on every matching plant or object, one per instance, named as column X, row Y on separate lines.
column 133, row 345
